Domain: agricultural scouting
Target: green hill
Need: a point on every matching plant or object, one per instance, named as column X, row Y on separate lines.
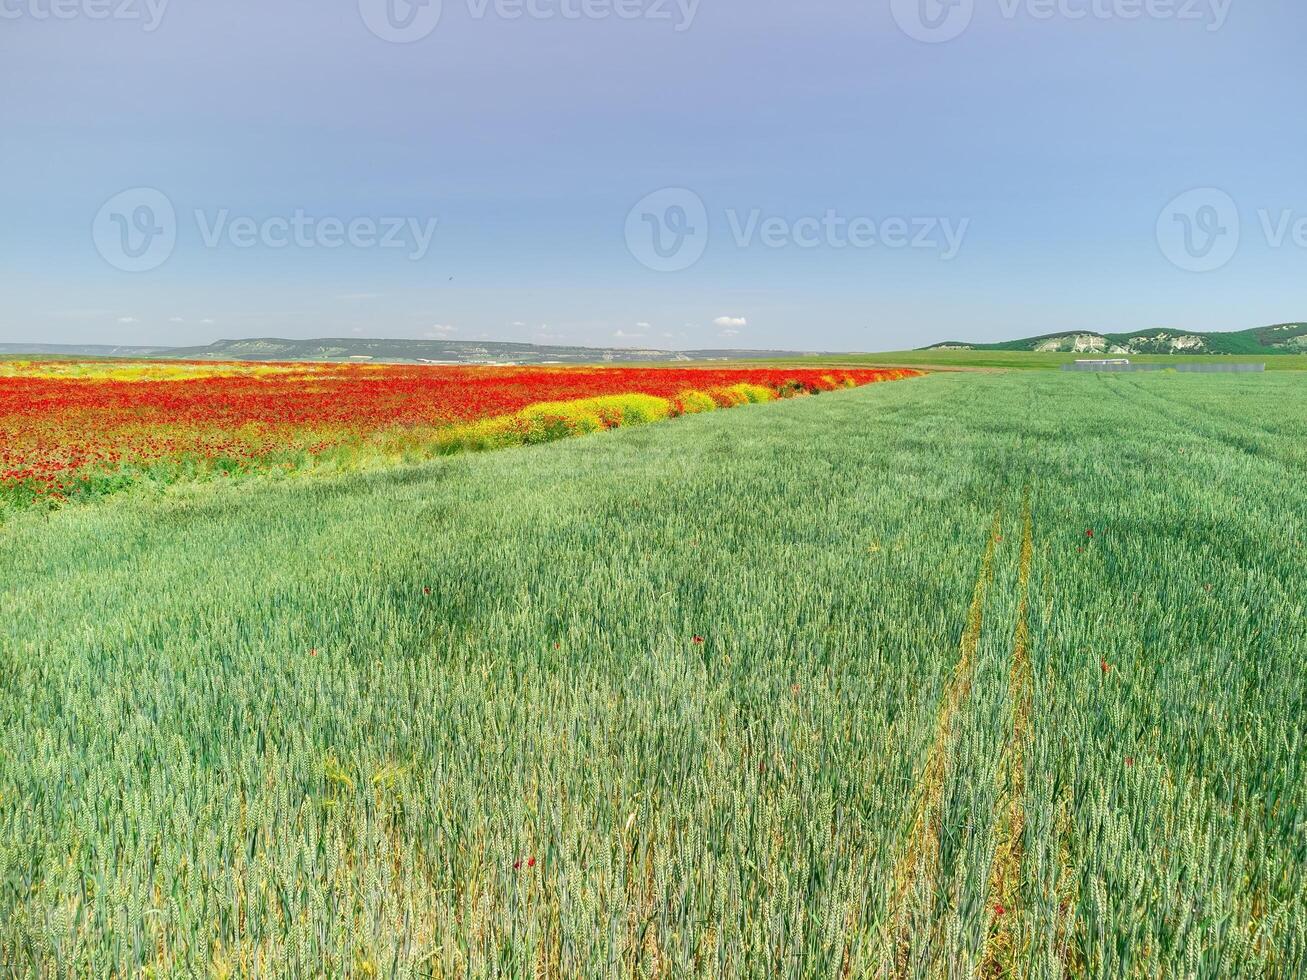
column 1284, row 338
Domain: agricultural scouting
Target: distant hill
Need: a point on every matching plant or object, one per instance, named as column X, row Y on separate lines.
column 1289, row 338
column 395, row 351
column 1284, row 338
column 81, row 350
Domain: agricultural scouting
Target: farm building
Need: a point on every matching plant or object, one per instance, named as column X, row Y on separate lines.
column 1212, row 367
column 1111, row 364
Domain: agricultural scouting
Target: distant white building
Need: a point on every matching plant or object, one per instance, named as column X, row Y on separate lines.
column 1107, row 362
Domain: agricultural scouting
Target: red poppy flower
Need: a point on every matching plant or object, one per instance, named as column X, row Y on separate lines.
column 1089, row 533
column 313, row 653
column 517, row 865
column 426, row 591
column 698, row 639
column 1129, row 761
column 1106, row 666
column 999, row 909
column 531, row 862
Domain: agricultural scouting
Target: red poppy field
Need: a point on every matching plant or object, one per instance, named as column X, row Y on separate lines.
column 70, row 430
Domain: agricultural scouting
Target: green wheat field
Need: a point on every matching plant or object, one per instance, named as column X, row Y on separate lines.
column 975, row 675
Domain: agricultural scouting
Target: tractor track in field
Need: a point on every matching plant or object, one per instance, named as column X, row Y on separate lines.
column 1220, row 430
column 1004, row 902
column 913, row 886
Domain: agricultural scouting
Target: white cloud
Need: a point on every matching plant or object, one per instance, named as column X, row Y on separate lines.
column 439, row 331
column 731, row 323
column 177, row 319
column 623, row 335
column 518, row 323
column 206, row 320
column 127, row 319
column 643, row 326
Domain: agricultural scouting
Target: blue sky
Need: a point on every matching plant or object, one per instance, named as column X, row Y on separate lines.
column 1015, row 179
